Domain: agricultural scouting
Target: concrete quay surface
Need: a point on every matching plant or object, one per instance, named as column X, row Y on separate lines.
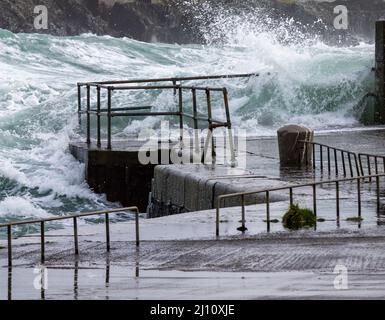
column 180, row 257
column 194, row 187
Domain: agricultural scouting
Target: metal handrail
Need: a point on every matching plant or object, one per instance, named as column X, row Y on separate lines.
column 369, row 157
column 74, row 217
column 314, row 185
column 329, row 149
column 178, row 90
column 172, row 79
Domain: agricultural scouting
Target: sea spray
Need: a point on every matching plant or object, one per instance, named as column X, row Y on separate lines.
column 301, row 80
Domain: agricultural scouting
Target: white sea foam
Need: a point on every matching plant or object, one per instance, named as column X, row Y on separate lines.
column 309, row 83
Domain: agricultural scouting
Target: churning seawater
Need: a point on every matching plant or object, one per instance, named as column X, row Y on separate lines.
column 310, row 83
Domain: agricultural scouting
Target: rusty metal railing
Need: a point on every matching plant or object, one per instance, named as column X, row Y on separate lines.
column 371, row 160
column 335, row 158
column 75, row 218
column 242, row 197
column 360, row 164
column 140, row 111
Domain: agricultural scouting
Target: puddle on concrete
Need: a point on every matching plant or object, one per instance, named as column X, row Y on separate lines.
column 132, row 284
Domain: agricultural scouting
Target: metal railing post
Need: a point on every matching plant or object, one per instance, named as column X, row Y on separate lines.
column 361, row 165
column 315, row 199
column 229, row 127
column 343, row 162
column 42, row 241
column 79, row 105
column 195, row 120
column 358, row 165
column 268, row 210
column 350, row 165
column 359, row 196
column 88, row 114
column 243, row 218
column 338, row 199
column 107, row 231
column 378, row 193
column 217, row 217
column 174, row 85
column 210, row 135
column 137, row 228
column 291, row 196
column 76, row 238
column 336, row 161
column 9, row 234
column 181, row 116
column 99, row 142
column 321, row 158
column 329, row 166
column 109, row 124
column 314, row 153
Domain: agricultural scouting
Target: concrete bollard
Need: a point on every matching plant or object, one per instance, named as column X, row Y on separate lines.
column 293, row 153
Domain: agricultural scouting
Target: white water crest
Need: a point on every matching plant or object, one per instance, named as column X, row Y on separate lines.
column 302, row 81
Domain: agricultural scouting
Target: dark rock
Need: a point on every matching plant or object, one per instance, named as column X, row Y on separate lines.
column 174, row 21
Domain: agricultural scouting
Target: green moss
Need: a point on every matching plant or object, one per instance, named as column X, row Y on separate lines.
column 297, row 218
column 354, row 219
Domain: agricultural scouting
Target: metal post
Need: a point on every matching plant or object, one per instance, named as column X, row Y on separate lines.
column 291, row 196
column 137, row 228
column 195, row 120
column 378, row 193
column 306, row 146
column 9, row 232
column 108, row 231
column 88, row 115
column 350, row 165
column 217, row 218
column 209, row 113
column 313, row 148
column 329, row 168
column 315, row 199
column 376, row 164
column 243, row 227
column 268, row 210
column 358, row 167
column 338, row 200
column 42, row 241
column 343, row 162
column 9, row 283
column 321, row 158
column 174, row 85
column 369, row 167
column 336, row 161
column 109, row 129
column 181, row 118
column 99, row 143
column 80, row 105
column 76, row 238
column 229, row 127
column 359, row 196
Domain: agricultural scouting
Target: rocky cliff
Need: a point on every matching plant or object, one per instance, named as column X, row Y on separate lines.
column 174, row 20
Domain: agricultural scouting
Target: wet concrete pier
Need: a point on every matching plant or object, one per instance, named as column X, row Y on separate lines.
column 117, row 173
